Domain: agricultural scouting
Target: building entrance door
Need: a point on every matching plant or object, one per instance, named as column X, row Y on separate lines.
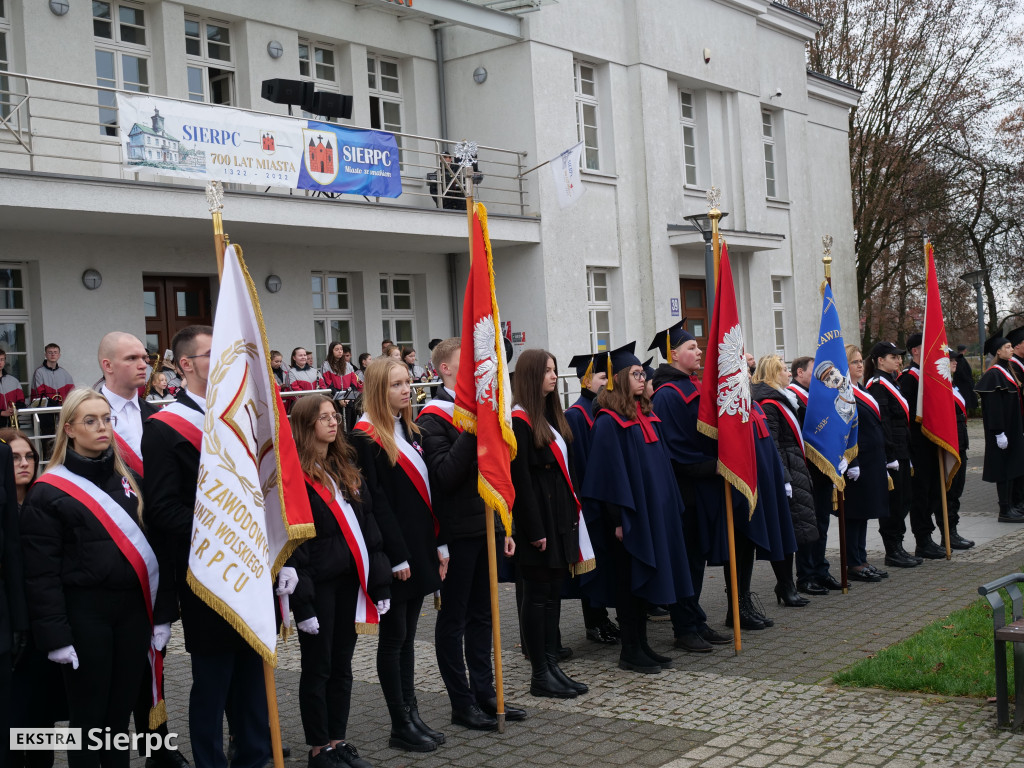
column 172, row 303
column 695, row 309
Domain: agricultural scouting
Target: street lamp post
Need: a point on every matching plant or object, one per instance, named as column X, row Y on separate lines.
column 977, row 279
column 702, row 223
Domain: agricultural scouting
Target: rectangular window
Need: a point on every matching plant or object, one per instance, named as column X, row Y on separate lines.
column 122, row 55
column 208, row 56
column 397, row 308
column 317, row 63
column 768, row 138
column 599, row 309
column 385, row 94
column 14, row 321
column 779, row 314
column 332, row 311
column 585, row 86
column 688, row 124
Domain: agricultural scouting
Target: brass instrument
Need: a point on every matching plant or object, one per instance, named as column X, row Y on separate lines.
column 154, row 361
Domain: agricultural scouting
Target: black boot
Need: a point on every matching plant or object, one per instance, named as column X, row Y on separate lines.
column 552, row 646
column 756, row 607
column 631, row 656
column 664, row 661
column 405, row 735
column 748, row 619
column 785, row 589
column 532, row 623
column 414, row 715
column 956, row 541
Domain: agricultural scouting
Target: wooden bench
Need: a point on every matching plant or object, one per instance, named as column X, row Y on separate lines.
column 1002, row 634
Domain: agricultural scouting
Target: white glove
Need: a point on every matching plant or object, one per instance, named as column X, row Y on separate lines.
column 1001, row 441
column 853, row 473
column 309, row 626
column 161, row 634
column 843, row 464
column 65, row 655
column 287, row 580
column 383, row 606
column 789, row 491
column 893, row 465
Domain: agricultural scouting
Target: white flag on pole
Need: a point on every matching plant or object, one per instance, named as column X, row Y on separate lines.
column 565, row 170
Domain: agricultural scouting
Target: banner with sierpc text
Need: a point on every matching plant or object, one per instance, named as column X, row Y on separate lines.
column 165, row 137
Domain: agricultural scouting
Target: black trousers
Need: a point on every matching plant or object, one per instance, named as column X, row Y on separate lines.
column 593, row 615
column 38, row 689
column 856, row 542
column 1010, row 493
column 396, row 650
column 112, row 635
column 325, row 684
column 462, row 634
column 956, row 490
column 811, row 563
column 894, row 527
column 925, row 491
column 687, row 615
column 143, row 703
column 215, row 678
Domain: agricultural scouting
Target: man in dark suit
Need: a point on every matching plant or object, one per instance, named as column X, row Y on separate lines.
column 963, row 378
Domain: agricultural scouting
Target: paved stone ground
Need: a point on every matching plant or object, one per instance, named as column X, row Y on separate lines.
column 771, row 705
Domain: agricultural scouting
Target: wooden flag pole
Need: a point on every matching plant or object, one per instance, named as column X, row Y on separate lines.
column 215, row 198
column 945, row 505
column 492, row 556
column 840, row 495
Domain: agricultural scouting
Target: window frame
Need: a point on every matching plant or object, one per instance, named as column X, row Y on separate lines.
column 19, row 316
column 118, row 49
column 582, row 101
column 330, row 86
column 390, row 316
column 689, row 124
column 204, row 63
column 597, row 306
column 770, row 155
column 324, row 315
column 779, row 315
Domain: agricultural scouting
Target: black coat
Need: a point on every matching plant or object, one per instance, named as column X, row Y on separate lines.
column 169, row 489
column 867, row 497
column 895, row 421
column 963, row 379
column 406, row 522
column 801, row 504
column 13, row 606
column 66, row 547
column 1001, row 414
column 544, row 505
column 327, row 557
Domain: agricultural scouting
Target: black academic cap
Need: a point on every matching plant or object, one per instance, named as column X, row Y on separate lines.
column 914, row 340
column 648, row 369
column 1016, row 336
column 667, row 340
column 883, row 348
column 961, row 347
column 994, row 344
column 583, row 364
column 617, row 359
column 433, row 343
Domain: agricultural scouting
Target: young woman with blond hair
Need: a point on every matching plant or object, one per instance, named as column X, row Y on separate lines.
column 387, row 444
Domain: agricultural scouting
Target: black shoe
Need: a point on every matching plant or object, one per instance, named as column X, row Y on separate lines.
column 322, row 759
column 897, row 558
column 347, row 755
column 862, row 574
column 749, row 618
column 714, row 636
column 167, row 758
column 512, row 714
column 474, row 718
column 664, row 661
column 830, row 582
column 1011, row 516
column 906, row 554
column 657, row 613
column 414, row 715
column 811, row 587
column 547, row 686
column 405, row 735
column 956, row 541
column 757, row 608
column 565, row 680
column 930, row 551
column 877, row 571
column 611, row 628
column 602, row 635
column 788, row 596
column 692, row 642
column 633, row 659
column 564, row 653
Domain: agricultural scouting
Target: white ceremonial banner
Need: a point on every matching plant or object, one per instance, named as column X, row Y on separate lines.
column 241, row 534
column 565, row 170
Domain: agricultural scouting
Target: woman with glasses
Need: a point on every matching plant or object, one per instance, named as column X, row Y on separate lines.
column 546, row 514
column 344, row 579
column 867, row 482
column 91, row 574
column 387, row 446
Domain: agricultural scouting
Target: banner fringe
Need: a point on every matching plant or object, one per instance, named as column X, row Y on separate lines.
column 495, row 501
column 365, row 628
column 825, row 466
column 201, row 591
column 955, row 453
column 158, row 715
column 739, row 484
column 707, row 429
column 586, row 566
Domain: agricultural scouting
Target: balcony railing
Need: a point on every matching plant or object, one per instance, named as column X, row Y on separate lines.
column 63, row 127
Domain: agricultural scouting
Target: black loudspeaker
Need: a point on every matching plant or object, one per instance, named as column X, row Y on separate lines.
column 287, row 91
column 331, row 105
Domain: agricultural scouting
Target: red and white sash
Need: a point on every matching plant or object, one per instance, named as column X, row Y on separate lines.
column 130, row 457
column 586, row 559
column 1019, row 364
column 132, row 543
column 187, row 422
column 791, row 419
column 1006, row 374
column 868, row 400
column 915, row 372
column 800, row 393
column 894, row 391
column 410, row 461
column 444, row 409
column 960, row 402
column 366, row 617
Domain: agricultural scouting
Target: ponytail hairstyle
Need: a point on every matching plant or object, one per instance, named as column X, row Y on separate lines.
column 540, row 408
column 378, row 409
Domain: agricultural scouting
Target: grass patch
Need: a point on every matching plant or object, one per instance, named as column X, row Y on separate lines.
column 952, row 657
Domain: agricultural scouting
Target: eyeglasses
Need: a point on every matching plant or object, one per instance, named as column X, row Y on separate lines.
column 193, row 357
column 639, row 375
column 28, row 458
column 856, row 362
column 327, row 418
column 95, row 424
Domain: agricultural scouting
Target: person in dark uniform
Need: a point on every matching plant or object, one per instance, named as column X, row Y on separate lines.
column 956, row 488
column 695, row 467
column 925, row 486
column 867, row 482
column 462, row 634
column 546, row 516
column 14, row 617
column 880, row 372
column 389, row 453
column 999, row 389
column 963, row 379
column 344, row 579
column 580, row 417
column 629, row 473
column 96, row 600
column 226, row 671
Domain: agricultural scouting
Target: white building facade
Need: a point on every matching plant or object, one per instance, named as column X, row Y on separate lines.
column 669, row 98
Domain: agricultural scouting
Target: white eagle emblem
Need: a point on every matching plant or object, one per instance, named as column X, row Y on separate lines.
column 733, row 376
column 486, row 372
column 942, row 366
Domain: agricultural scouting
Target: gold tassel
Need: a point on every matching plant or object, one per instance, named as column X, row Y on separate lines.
column 889, row 478
column 668, row 346
column 611, row 384
column 835, row 498
column 363, row 628
column 158, row 715
column 437, row 600
column 586, row 566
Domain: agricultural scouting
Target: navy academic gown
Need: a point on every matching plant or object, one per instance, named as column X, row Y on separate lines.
column 580, row 416
column 629, row 468
column 770, row 528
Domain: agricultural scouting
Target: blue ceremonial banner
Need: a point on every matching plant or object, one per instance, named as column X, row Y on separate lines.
column 349, row 160
column 830, row 423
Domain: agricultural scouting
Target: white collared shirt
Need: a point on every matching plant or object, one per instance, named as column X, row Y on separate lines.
column 200, row 401
column 129, row 417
